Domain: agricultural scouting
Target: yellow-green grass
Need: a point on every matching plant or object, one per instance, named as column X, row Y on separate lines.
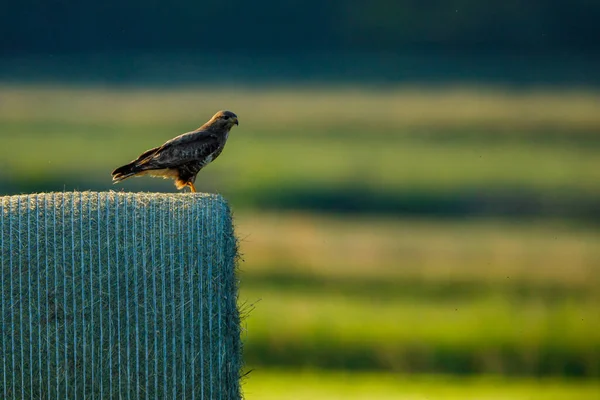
column 394, row 142
column 481, row 334
column 380, row 249
column 413, row 295
column 327, row 385
column 484, row 334
column 317, row 107
column 253, row 162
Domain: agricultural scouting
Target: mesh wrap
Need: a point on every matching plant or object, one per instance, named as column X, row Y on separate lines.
column 118, row 295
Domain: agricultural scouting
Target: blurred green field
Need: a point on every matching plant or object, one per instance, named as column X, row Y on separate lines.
column 449, row 151
column 387, row 235
column 317, row 385
column 421, row 296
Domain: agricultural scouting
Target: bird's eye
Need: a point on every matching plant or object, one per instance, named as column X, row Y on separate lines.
column 225, row 117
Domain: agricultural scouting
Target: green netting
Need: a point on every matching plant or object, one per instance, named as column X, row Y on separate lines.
column 118, row 295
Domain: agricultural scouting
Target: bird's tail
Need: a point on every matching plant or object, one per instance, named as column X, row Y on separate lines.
column 124, row 172
column 134, row 167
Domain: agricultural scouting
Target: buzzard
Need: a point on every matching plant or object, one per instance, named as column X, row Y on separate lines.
column 182, row 157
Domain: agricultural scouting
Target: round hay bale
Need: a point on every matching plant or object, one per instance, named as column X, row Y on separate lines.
column 118, row 295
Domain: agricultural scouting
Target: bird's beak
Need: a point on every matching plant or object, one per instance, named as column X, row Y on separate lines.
column 236, row 122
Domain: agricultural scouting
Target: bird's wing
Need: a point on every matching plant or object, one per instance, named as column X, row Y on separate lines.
column 191, row 146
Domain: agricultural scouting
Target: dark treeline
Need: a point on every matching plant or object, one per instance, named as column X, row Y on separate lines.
column 292, row 26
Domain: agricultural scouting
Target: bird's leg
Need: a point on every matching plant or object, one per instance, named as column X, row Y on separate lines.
column 192, row 188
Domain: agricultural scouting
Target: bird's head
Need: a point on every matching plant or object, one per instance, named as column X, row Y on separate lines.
column 224, row 120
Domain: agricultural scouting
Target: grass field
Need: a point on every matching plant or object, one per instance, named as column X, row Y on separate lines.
column 492, row 251
column 420, row 151
column 410, row 243
column 299, row 385
column 420, row 295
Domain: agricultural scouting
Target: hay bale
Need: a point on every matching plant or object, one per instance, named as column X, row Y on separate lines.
column 118, row 295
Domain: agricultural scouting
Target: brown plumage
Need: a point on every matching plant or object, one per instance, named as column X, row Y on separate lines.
column 181, row 158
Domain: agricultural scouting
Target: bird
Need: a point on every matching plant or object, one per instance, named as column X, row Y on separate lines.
column 182, row 157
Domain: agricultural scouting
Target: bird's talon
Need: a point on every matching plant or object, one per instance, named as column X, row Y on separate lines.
column 182, row 157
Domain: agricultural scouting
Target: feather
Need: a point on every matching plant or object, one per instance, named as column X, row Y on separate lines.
column 182, row 157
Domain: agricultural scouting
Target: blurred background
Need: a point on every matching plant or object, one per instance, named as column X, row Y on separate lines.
column 415, row 184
